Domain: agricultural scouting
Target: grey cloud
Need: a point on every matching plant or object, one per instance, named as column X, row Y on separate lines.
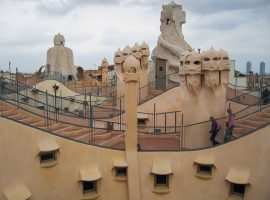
column 206, row 6
column 212, row 6
column 63, row 8
column 201, row 7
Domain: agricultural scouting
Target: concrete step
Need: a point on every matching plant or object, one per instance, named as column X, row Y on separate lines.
column 9, row 113
column 78, row 135
column 266, row 114
column 39, row 124
column 73, row 129
column 243, row 125
column 110, row 142
column 5, row 108
column 19, row 117
column 25, row 120
column 59, row 127
column 238, row 131
column 261, row 118
column 267, row 110
column 253, row 123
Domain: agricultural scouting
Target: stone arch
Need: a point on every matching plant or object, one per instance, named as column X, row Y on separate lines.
column 80, row 73
column 71, row 78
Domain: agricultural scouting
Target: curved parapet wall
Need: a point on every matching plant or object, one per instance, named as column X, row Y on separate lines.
column 21, row 146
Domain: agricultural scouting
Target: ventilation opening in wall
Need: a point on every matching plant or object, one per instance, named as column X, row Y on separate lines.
column 47, row 157
column 141, row 121
column 238, row 189
column 162, row 180
column 204, row 169
column 121, row 171
column 89, row 186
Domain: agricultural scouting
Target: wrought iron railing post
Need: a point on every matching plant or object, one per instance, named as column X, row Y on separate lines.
column 154, row 124
column 139, row 93
column 61, row 102
column 1, row 96
column 260, row 95
column 47, row 112
column 91, row 119
column 120, row 114
column 235, row 89
column 182, row 133
column 175, row 121
column 17, row 88
column 165, row 122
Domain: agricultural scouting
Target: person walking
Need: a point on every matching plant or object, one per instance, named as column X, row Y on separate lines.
column 213, row 131
column 230, row 125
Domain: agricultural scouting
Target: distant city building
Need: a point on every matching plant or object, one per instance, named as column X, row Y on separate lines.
column 262, row 67
column 248, row 67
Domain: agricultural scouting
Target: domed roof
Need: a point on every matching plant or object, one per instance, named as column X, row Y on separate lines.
column 59, row 39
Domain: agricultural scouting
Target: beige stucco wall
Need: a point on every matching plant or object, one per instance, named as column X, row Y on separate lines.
column 251, row 152
column 163, row 102
column 19, row 163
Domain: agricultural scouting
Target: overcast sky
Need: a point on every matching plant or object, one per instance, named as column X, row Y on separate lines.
column 94, row 29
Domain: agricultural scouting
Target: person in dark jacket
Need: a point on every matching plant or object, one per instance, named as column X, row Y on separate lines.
column 213, row 131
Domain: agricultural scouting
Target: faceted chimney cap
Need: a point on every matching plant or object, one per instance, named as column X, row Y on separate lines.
column 136, row 51
column 136, row 48
column 118, row 53
column 144, row 46
column 104, row 63
column 223, row 54
column 224, row 60
column 190, row 63
column 131, row 65
column 127, row 51
column 59, row 39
